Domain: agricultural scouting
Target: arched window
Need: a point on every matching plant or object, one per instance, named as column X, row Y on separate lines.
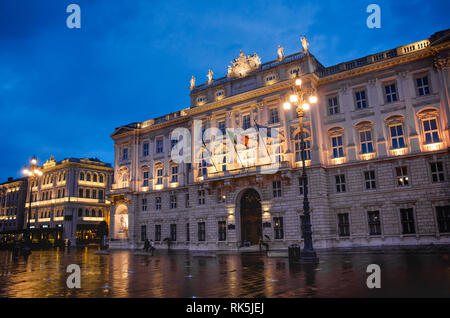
column 396, row 131
column 430, row 126
column 297, row 147
column 94, row 177
column 81, row 176
column 93, row 212
column 88, row 177
column 365, row 134
column 101, row 178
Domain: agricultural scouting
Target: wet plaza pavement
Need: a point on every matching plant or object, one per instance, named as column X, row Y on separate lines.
column 181, row 274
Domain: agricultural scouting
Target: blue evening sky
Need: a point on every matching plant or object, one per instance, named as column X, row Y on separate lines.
column 64, row 91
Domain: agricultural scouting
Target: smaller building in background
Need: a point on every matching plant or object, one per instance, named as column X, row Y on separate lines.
column 68, row 200
column 12, row 199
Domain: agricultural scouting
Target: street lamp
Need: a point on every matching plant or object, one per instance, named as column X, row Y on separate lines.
column 33, row 172
column 302, row 98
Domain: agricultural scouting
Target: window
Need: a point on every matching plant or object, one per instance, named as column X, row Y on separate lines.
column 201, row 231
column 81, row 176
column 407, row 219
column 145, row 179
column 397, row 138
column 188, row 236
column 437, row 171
column 174, row 174
column 298, row 149
column 340, row 182
column 278, row 228
column 100, row 194
column 173, row 201
column 173, row 232
column 276, row 187
column 145, row 148
column 338, row 149
column 201, row 197
column 144, row 204
column 88, row 193
column 159, row 146
column 443, row 218
column 343, row 224
column 220, row 195
column 143, row 233
column 158, row 203
column 390, row 93
column 245, row 122
column 222, row 127
column 186, row 200
column 361, row 99
column 224, row 163
column 369, row 177
column 80, row 193
column 159, row 175
column 94, row 178
column 270, row 78
column 274, row 116
column 333, row 105
column 173, row 143
column 402, row 176
column 88, row 177
column 222, row 230
column 157, row 232
column 300, row 185
column 374, row 222
column 219, row 93
column 365, row 138
column 430, row 130
column 94, row 194
column 125, row 154
column 423, row 87
column 80, row 213
column 203, row 167
column 101, row 178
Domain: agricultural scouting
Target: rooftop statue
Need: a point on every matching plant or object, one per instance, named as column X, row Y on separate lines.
column 280, row 52
column 305, row 44
column 209, row 76
column 192, row 83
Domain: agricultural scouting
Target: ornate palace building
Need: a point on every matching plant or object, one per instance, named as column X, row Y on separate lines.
column 12, row 200
column 377, row 157
column 68, row 200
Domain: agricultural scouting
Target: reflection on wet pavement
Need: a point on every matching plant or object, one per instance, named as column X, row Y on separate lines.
column 179, row 274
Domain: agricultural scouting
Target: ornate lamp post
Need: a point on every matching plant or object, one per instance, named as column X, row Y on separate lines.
column 302, row 98
column 32, row 171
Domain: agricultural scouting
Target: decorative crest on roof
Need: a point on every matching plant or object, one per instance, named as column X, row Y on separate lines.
column 243, row 65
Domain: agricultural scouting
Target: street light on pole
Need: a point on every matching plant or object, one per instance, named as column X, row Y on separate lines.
column 32, row 171
column 302, row 98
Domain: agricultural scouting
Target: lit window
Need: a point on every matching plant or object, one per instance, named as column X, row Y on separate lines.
column 423, row 87
column 402, row 176
column 374, row 222
column 278, row 228
column 430, row 130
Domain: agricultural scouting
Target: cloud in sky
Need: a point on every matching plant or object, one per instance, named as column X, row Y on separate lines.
column 63, row 91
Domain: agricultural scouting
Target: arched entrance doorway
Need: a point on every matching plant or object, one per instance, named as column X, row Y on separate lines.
column 250, row 215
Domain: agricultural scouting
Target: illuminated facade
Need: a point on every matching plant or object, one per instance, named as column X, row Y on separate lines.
column 377, row 156
column 70, row 196
column 12, row 200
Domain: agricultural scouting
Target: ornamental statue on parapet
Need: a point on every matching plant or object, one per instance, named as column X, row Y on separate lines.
column 191, row 87
column 243, row 65
column 209, row 76
column 305, row 44
column 280, row 52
